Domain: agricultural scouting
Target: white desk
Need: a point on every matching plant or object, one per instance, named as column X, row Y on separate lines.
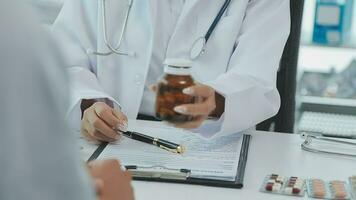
column 269, row 153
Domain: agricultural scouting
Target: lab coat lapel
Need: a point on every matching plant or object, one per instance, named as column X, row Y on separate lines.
column 194, row 21
column 124, row 76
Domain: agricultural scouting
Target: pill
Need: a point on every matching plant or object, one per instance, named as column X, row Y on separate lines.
column 298, row 186
column 338, row 189
column 296, row 190
column 300, row 181
column 319, row 193
column 318, row 184
column 269, row 186
column 317, row 181
column 337, row 186
column 340, row 195
column 319, row 189
column 280, row 179
column 276, row 187
column 271, row 181
column 337, row 182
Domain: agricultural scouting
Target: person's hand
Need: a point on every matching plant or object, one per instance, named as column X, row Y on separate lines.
column 201, row 110
column 110, row 182
column 100, row 123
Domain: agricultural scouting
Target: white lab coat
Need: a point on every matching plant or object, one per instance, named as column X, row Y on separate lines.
column 241, row 60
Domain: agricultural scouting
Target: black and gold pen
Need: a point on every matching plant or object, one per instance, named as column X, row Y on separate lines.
column 163, row 144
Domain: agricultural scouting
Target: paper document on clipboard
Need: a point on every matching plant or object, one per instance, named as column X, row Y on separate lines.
column 216, row 159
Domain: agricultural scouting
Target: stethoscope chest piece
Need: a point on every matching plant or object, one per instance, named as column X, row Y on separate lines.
column 197, row 48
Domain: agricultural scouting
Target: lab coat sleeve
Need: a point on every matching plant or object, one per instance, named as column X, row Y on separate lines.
column 76, row 30
column 249, row 85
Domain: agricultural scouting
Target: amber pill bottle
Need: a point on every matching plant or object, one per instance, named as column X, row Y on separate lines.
column 177, row 76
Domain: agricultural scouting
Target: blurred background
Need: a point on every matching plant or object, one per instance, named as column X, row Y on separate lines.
column 326, row 92
column 326, row 89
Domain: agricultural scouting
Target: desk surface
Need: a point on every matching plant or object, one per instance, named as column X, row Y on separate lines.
column 269, row 153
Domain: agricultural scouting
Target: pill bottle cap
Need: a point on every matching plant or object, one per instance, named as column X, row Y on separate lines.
column 177, row 66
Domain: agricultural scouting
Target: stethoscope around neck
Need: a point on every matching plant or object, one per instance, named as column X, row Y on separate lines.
column 198, row 48
column 112, row 49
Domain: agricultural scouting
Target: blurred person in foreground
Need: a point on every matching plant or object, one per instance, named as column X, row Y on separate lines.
column 38, row 157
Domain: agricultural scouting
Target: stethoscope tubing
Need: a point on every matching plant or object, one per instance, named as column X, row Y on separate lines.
column 114, row 50
column 216, row 20
column 198, row 47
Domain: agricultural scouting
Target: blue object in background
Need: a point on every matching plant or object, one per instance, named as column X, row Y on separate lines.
column 333, row 20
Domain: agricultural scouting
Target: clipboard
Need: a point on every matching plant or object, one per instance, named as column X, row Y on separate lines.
column 162, row 174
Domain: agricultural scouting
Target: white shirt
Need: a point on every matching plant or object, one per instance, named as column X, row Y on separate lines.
column 167, row 14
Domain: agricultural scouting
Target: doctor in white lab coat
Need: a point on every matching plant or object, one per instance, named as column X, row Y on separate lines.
column 237, row 72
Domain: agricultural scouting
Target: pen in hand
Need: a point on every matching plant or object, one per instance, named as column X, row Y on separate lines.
column 163, row 144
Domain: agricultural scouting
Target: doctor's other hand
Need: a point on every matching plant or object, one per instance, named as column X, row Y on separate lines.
column 100, row 122
column 110, row 181
column 209, row 104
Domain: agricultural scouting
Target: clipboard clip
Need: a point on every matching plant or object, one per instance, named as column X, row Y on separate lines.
column 158, row 172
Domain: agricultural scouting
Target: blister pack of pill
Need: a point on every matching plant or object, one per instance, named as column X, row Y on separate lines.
column 276, row 184
column 294, row 186
column 352, row 181
column 273, row 184
column 321, row 189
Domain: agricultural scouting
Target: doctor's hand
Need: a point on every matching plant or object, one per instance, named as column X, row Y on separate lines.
column 209, row 103
column 100, row 120
column 110, row 181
